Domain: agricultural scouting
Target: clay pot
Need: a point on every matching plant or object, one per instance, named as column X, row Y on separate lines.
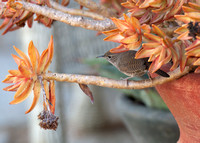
column 182, row 97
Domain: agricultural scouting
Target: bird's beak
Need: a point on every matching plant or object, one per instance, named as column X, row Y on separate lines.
column 100, row 56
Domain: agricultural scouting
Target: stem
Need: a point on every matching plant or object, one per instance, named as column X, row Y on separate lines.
column 79, row 12
column 1, row 8
column 97, row 8
column 97, row 25
column 110, row 83
column 44, row 94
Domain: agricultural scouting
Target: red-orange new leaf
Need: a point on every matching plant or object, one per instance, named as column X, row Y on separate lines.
column 153, row 11
column 16, row 17
column 27, row 77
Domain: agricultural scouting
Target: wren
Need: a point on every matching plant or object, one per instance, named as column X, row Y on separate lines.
column 126, row 63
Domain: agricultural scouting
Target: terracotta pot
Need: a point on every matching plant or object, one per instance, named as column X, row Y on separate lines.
column 147, row 125
column 182, row 97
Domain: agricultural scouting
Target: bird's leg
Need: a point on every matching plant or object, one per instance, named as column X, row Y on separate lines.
column 149, row 76
column 126, row 79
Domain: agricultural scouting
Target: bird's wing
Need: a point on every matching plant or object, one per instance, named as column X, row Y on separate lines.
column 131, row 66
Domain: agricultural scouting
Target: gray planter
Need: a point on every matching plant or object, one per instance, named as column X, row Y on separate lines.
column 147, row 125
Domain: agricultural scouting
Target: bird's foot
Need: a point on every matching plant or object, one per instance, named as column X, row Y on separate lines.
column 151, row 78
column 126, row 79
column 149, row 75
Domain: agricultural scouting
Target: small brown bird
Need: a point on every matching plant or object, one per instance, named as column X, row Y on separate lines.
column 126, row 63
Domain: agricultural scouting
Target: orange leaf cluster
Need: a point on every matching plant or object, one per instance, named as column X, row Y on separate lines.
column 128, row 33
column 115, row 4
column 191, row 14
column 159, row 48
column 27, row 77
column 193, row 53
column 16, row 17
column 189, row 32
column 154, row 11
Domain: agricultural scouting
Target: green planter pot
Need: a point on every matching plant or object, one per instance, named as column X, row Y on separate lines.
column 147, row 125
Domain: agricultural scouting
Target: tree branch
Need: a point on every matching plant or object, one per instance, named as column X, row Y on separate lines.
column 97, row 8
column 110, row 83
column 97, row 25
column 2, row 8
column 79, row 12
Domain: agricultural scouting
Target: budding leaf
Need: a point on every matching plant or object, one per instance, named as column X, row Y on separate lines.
column 87, row 91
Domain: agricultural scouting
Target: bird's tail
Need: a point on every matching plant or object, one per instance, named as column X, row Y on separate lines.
column 162, row 73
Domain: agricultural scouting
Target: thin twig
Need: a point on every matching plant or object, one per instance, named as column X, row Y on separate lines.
column 78, row 12
column 2, row 8
column 110, row 83
column 44, row 94
column 97, row 8
column 97, row 25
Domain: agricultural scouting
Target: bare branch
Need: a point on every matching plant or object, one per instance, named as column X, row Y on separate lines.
column 78, row 12
column 110, row 83
column 97, row 8
column 97, row 25
column 2, row 8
